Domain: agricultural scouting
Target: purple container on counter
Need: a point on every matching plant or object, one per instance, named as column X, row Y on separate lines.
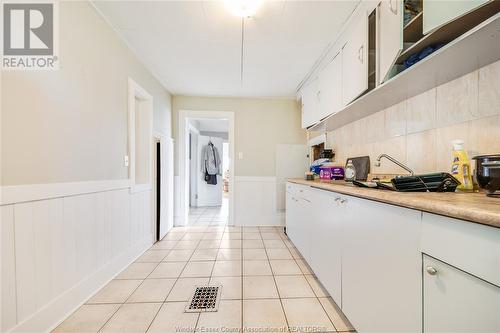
column 331, row 172
column 337, row 173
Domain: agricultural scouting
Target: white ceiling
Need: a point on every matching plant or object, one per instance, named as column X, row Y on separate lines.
column 194, row 47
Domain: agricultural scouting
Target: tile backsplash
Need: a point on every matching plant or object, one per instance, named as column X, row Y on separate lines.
column 418, row 131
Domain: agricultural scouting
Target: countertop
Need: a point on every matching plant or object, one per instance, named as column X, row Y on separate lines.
column 473, row 207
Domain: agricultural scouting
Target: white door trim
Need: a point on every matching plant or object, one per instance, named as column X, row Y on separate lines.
column 135, row 91
column 183, row 191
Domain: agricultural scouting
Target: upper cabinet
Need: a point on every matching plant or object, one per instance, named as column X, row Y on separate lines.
column 439, row 12
column 355, row 62
column 310, row 104
column 390, row 35
column 330, row 88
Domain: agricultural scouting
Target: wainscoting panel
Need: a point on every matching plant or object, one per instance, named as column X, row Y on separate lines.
column 57, row 252
column 255, row 202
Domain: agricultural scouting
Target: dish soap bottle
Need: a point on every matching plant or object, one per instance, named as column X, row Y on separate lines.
column 350, row 171
column 460, row 168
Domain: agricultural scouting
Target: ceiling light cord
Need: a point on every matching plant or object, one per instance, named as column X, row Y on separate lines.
column 242, row 49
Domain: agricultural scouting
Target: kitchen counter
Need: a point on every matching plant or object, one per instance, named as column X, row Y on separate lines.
column 474, row 207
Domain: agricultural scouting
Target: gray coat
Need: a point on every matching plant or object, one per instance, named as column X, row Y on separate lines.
column 210, row 160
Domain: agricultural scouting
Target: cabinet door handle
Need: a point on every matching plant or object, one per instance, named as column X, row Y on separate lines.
column 343, row 201
column 431, row 270
column 337, row 199
column 395, row 9
column 360, row 53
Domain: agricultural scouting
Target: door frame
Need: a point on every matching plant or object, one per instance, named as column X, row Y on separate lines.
column 183, row 162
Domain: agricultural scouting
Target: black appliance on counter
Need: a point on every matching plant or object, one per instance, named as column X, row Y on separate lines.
column 488, row 173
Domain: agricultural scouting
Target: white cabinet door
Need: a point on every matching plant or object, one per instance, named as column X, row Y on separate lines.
column 330, row 88
column 326, row 236
column 305, row 215
column 455, row 301
column 439, row 12
column 355, row 62
column 310, row 115
column 381, row 267
column 390, row 35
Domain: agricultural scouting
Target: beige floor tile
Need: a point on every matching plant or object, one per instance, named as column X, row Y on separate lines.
column 212, row 235
column 227, row 268
column 172, row 319
column 164, row 245
column 153, row 256
column 231, row 244
column 231, row 286
column 279, row 254
column 204, row 255
column 196, row 228
column 295, row 253
column 250, row 229
column 152, row 290
column 184, row 288
column 187, row 244
column 174, row 236
column 256, row 267
column 229, row 254
column 88, row 318
column 304, row 267
column 270, row 235
column 116, row 291
column 306, row 315
column 254, row 254
column 231, row 235
column 263, row 314
column 269, row 229
column 133, row 318
column 226, row 319
column 316, row 286
column 137, row 271
column 251, row 235
column 179, row 255
column 233, row 229
column 166, row 270
column 216, row 228
column 192, row 236
column 341, row 323
column 252, row 244
column 293, row 286
column 259, row 287
column 274, row 244
column 285, row 267
column 198, row 269
column 209, row 244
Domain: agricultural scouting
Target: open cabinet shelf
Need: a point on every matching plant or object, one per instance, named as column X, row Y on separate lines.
column 470, row 51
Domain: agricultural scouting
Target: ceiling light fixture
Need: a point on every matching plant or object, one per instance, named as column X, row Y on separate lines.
column 242, row 8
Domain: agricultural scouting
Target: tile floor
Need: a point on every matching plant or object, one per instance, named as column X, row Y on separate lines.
column 266, row 286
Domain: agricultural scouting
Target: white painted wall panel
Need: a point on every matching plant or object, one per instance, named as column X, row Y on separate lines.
column 57, row 252
column 9, row 306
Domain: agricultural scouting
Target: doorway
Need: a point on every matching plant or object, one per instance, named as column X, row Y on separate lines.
column 203, row 138
column 158, row 190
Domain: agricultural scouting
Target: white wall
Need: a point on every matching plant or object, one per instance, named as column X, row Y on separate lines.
column 69, row 220
column 260, row 126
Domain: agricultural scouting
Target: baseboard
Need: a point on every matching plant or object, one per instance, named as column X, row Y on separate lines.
column 54, row 313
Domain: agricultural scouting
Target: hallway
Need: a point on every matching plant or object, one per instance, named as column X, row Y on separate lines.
column 266, row 286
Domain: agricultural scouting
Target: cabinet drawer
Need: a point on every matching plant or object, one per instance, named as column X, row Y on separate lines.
column 471, row 247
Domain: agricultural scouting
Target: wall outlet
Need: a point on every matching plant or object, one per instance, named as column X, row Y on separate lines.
column 125, row 160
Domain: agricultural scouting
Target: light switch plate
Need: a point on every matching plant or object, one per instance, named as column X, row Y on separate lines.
column 240, row 155
column 125, row 160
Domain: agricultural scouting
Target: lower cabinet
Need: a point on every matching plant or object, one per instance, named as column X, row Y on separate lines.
column 326, row 245
column 393, row 269
column 381, row 267
column 456, row 301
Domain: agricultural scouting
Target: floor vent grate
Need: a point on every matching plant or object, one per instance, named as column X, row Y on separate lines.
column 204, row 299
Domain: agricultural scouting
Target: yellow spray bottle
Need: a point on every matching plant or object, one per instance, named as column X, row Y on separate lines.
column 461, row 168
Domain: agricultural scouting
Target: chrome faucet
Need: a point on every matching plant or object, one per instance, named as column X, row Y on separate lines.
column 393, row 160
